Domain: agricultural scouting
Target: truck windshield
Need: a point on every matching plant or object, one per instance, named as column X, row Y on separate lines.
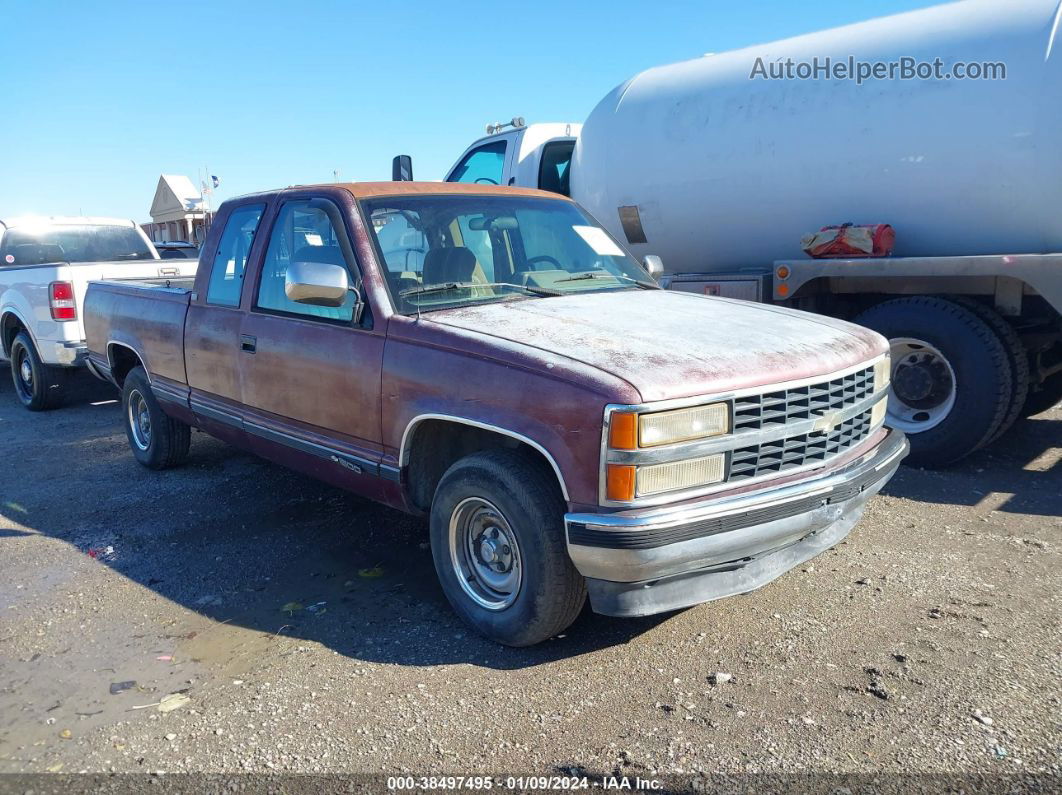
column 443, row 252
column 41, row 245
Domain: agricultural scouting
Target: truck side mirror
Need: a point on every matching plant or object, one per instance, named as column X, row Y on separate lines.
column 402, row 168
column 316, row 283
column 654, row 265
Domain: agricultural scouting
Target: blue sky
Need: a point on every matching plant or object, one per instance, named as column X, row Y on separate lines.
column 99, row 98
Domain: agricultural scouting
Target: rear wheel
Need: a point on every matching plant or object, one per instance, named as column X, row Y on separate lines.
column 38, row 386
column 157, row 440
column 952, row 380
column 497, row 538
column 1017, row 356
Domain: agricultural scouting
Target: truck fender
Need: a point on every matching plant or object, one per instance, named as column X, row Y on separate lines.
column 407, row 439
column 122, row 341
column 10, row 310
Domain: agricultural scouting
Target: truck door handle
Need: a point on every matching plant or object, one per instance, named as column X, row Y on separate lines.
column 248, row 344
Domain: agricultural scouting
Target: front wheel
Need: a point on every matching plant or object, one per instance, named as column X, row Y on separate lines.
column 497, row 539
column 952, row 381
column 157, row 440
column 38, row 386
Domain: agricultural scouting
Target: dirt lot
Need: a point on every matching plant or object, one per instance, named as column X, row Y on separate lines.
column 306, row 630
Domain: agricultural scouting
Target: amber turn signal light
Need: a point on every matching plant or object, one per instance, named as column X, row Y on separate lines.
column 620, row 483
column 623, row 431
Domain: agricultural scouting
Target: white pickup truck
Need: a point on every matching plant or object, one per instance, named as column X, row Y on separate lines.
column 46, row 264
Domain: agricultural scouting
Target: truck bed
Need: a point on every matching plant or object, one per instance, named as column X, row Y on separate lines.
column 179, row 283
column 145, row 316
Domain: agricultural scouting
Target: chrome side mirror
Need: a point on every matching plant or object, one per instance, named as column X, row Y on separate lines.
column 321, row 284
column 316, row 283
column 654, row 265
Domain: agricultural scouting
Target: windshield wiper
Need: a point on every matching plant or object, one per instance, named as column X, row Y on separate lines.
column 128, row 255
column 600, row 275
column 447, row 286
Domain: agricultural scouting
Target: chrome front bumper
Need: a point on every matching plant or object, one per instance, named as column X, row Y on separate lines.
column 650, row 561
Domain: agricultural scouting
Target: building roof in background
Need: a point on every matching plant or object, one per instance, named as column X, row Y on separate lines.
column 175, row 199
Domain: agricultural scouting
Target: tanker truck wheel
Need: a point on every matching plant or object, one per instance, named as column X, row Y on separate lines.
column 1017, row 356
column 952, row 380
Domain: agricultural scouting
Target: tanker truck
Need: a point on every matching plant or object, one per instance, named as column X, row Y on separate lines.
column 718, row 167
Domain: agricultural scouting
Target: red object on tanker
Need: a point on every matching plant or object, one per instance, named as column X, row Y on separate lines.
column 849, row 241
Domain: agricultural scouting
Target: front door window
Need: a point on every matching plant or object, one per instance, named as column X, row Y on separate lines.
column 484, row 165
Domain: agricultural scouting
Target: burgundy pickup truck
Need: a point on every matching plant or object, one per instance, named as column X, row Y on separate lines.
column 492, row 359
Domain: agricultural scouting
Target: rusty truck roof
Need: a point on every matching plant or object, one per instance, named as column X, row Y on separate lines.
column 369, row 190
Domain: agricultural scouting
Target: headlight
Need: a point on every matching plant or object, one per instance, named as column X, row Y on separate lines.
column 683, row 425
column 883, row 373
column 677, row 475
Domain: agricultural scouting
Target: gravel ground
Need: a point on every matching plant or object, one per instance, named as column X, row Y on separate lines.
column 303, row 631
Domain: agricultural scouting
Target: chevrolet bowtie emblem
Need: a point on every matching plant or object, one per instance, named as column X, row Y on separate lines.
column 826, row 422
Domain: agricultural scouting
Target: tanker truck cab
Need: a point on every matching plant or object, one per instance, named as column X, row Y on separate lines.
column 517, row 154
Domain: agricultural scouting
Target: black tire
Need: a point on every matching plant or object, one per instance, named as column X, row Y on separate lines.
column 38, row 386
column 1017, row 356
column 551, row 592
column 157, row 440
column 983, row 379
column 1046, row 396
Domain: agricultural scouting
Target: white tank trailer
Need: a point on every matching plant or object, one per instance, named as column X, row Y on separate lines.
column 727, row 169
column 720, row 171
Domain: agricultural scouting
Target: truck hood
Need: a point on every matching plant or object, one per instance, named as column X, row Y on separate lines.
column 671, row 344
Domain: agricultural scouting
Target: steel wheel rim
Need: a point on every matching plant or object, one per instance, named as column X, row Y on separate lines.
column 485, row 554
column 24, row 381
column 139, row 420
column 923, row 386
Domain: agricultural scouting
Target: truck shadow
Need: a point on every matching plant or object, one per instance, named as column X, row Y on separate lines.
column 247, row 545
column 1019, row 473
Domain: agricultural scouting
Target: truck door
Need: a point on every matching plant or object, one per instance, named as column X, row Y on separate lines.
column 212, row 328
column 310, row 375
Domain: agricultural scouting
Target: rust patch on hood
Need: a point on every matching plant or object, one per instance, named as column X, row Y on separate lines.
column 674, row 345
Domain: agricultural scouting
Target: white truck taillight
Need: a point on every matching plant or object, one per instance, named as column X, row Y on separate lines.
column 61, row 301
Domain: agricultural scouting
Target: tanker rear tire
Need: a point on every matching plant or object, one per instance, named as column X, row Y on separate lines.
column 962, row 373
column 157, row 440
column 1017, row 355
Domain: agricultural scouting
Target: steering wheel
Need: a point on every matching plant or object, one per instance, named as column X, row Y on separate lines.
column 544, row 258
column 485, row 181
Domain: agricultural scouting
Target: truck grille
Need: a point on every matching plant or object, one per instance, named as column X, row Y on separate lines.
column 772, row 409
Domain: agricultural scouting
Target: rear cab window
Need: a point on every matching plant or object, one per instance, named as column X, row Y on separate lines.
column 55, row 243
column 230, row 261
column 554, row 172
